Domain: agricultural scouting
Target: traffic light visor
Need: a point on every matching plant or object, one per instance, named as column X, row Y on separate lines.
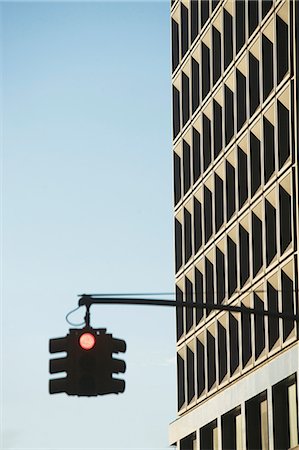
column 87, row 341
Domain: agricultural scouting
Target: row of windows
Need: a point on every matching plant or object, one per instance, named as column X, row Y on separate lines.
column 258, row 423
column 193, row 19
column 267, row 153
column 250, row 91
column 260, row 236
column 234, row 342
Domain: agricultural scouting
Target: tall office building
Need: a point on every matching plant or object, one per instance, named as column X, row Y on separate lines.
column 236, row 188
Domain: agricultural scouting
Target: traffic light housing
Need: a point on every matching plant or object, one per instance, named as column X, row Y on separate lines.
column 89, row 363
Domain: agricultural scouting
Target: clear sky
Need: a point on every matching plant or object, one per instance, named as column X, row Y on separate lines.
column 87, row 207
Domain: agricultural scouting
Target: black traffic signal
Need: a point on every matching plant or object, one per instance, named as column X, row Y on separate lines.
column 89, row 363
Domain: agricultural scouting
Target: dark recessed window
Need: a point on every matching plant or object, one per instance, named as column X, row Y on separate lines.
column 186, row 166
column 285, row 219
column 273, row 322
column 207, row 157
column 194, row 19
column 246, row 337
column 175, row 44
column 287, row 303
column 253, row 15
column 175, row 111
column 178, row 245
column 185, row 98
column 216, row 54
column 189, row 301
column 177, row 178
column 229, row 114
column 211, row 360
column 207, row 213
column 228, row 38
column 179, row 313
column 190, row 375
column 220, row 271
column 271, row 246
column 181, row 381
column 240, row 24
column 205, row 70
column 255, row 163
column 230, row 429
column 256, row 413
column 282, row 48
column 208, row 436
column 269, row 149
column 217, row 130
column 204, row 11
column 232, row 265
column 230, row 190
column 259, row 327
column 209, row 279
column 266, row 6
column 197, row 225
column 195, row 84
column 219, row 212
column 267, row 52
column 283, row 134
column 257, row 247
column 244, row 255
column 198, row 294
column 233, row 343
column 187, row 235
column 196, row 154
column 241, row 99
column 254, row 83
column 201, row 380
column 184, row 29
column 222, row 352
column 242, row 177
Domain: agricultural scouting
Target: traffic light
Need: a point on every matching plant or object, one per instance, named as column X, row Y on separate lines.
column 89, row 363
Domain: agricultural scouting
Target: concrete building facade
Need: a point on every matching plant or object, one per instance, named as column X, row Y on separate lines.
column 236, row 189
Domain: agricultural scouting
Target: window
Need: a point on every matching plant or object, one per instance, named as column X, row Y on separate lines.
column 228, row 38
column 189, row 300
column 181, row 381
column 230, row 190
column 195, row 84
column 189, row 442
column 283, row 134
column 256, row 411
column 204, row 11
column 246, row 337
column 211, row 360
column 257, row 248
column 271, row 247
column 177, row 177
column 197, row 225
column 231, row 430
column 253, row 15
column 232, row 265
column 229, row 114
column 240, row 24
column 241, row 99
column 205, row 67
column 267, row 51
column 208, row 213
column 269, row 149
column 206, row 141
column 285, row 219
column 190, row 375
column 175, row 111
column 178, row 245
column 196, row 154
column 259, row 327
column 200, row 367
column 242, row 177
column 194, row 19
column 217, row 130
column 255, row 163
column 184, row 29
column 273, row 322
column 254, row 84
column 175, row 44
column 233, row 344
column 282, row 48
column 185, row 98
column 186, row 166
column 179, row 313
column 198, row 294
column 187, row 235
column 287, row 303
column 244, row 255
column 218, row 202
column 220, row 270
column 209, row 279
column 266, row 6
column 209, row 436
column 222, row 352
column 216, row 54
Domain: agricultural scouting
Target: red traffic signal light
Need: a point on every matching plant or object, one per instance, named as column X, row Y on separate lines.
column 87, row 341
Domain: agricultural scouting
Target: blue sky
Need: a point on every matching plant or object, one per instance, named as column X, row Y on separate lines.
column 87, row 207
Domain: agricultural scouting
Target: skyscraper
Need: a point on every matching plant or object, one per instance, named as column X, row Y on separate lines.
column 236, row 186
